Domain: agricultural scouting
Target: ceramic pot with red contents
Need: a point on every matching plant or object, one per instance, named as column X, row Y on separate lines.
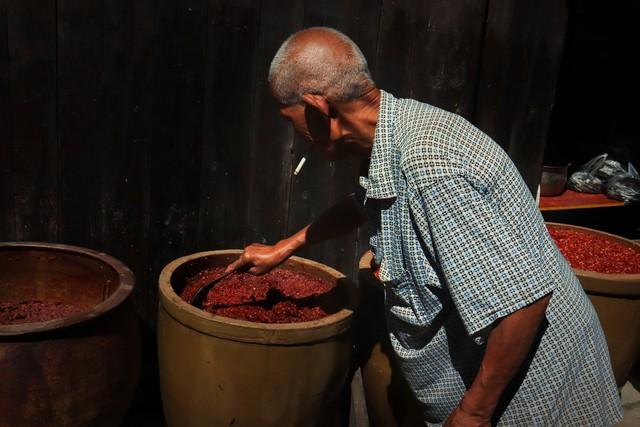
column 615, row 294
column 69, row 343
column 223, row 371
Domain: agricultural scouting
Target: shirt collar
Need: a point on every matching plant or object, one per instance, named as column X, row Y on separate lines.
column 380, row 182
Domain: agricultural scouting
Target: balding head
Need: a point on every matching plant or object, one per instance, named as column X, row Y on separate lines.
column 320, row 61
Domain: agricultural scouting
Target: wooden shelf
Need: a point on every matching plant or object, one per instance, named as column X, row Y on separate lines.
column 573, row 200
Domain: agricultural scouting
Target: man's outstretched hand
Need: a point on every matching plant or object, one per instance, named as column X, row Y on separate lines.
column 259, row 259
column 341, row 218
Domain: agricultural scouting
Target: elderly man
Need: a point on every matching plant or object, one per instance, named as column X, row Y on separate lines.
column 487, row 320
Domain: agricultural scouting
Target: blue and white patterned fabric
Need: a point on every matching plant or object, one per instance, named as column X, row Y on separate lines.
column 461, row 243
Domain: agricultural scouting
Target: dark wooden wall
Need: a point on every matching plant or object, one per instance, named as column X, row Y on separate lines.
column 596, row 108
column 144, row 128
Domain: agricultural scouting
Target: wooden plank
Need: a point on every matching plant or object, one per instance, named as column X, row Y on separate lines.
column 521, row 60
column 271, row 157
column 81, row 143
column 31, row 30
column 574, row 200
column 229, row 94
column 430, row 51
column 7, row 213
column 322, row 183
column 125, row 117
column 177, row 131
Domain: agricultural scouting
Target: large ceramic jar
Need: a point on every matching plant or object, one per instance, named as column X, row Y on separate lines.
column 76, row 371
column 616, row 298
column 390, row 402
column 218, row 371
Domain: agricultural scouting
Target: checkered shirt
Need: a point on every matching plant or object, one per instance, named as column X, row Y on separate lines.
column 461, row 243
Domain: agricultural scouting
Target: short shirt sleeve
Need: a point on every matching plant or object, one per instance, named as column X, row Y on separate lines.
column 489, row 270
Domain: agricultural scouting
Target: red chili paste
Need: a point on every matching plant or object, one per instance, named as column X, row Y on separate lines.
column 12, row 313
column 280, row 312
column 591, row 252
column 280, row 296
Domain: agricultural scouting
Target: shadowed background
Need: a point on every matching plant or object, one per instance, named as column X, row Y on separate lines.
column 145, row 130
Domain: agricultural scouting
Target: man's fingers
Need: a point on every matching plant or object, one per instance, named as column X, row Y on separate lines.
column 237, row 264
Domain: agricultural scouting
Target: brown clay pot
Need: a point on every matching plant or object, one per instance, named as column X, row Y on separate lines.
column 76, row 371
column 390, row 402
column 616, row 298
column 217, row 371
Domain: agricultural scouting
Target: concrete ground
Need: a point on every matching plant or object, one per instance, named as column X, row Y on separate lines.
column 631, row 406
column 147, row 410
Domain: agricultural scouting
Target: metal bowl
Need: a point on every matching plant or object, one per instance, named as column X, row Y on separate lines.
column 554, row 180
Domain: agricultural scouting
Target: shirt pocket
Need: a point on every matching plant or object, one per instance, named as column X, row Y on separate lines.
column 404, row 303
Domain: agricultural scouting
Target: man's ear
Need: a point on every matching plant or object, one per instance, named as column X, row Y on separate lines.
column 318, row 102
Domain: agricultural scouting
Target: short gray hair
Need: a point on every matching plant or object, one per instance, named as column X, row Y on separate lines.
column 318, row 69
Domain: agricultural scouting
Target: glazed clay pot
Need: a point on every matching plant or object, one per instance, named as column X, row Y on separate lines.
column 390, row 402
column 76, row 371
column 218, row 371
column 616, row 298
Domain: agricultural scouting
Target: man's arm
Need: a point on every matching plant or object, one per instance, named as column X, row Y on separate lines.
column 507, row 347
column 341, row 218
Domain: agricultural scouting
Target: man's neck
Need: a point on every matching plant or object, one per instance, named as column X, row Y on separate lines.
column 361, row 115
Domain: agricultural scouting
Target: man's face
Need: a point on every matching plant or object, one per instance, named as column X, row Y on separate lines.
column 315, row 127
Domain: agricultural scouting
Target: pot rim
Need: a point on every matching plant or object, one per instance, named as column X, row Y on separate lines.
column 621, row 277
column 254, row 332
column 122, row 291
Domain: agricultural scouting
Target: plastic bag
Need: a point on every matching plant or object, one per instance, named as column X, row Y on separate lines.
column 609, row 169
column 586, row 179
column 625, row 187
